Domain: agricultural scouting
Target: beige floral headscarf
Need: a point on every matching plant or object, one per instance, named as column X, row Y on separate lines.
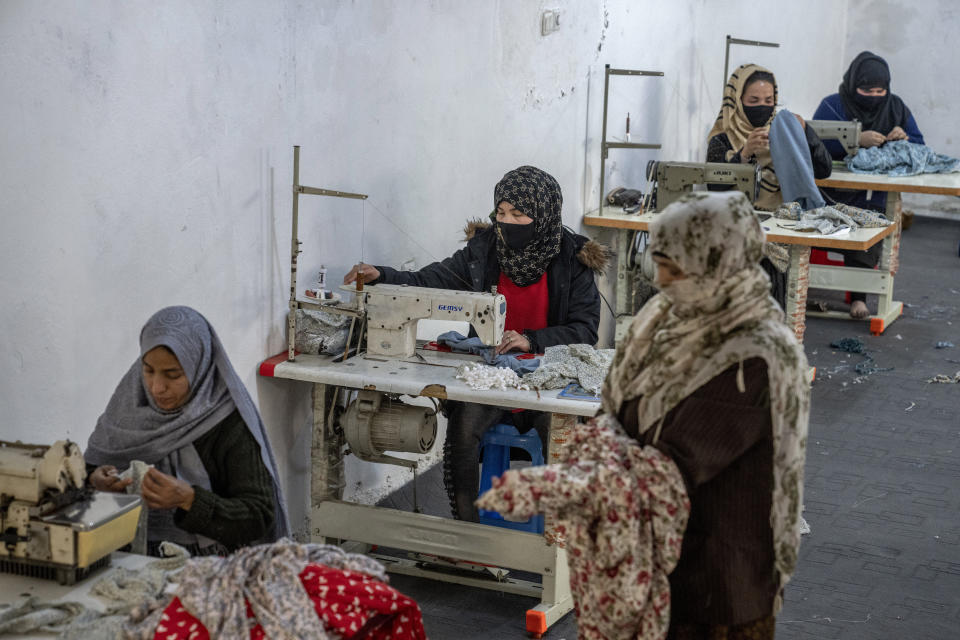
column 732, row 120
column 720, row 315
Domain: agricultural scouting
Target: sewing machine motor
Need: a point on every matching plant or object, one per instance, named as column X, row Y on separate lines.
column 51, row 526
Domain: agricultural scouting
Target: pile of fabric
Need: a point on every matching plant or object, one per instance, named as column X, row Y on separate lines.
column 563, row 364
column 900, row 158
column 830, row 218
column 319, row 332
column 282, row 590
column 620, row 510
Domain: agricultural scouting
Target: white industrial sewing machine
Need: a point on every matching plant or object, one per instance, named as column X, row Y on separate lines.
column 393, row 311
column 846, row 133
column 50, row 525
column 672, row 180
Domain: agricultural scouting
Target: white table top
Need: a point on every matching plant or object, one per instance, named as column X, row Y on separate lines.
column 417, row 379
column 776, row 229
column 15, row 589
column 939, row 183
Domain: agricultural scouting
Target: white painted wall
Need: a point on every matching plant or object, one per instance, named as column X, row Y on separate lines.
column 919, row 41
column 145, row 157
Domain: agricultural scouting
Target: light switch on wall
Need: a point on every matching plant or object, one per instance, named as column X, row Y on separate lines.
column 549, row 21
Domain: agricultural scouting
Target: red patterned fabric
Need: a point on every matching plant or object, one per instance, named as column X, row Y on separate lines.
column 350, row 604
column 526, row 306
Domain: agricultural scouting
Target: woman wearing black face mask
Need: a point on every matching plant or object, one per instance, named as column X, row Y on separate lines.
column 545, row 271
column 865, row 96
column 740, row 134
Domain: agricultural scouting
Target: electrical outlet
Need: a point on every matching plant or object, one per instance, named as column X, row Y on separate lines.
column 549, row 21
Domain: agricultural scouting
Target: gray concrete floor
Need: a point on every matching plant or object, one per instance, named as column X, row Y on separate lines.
column 883, row 466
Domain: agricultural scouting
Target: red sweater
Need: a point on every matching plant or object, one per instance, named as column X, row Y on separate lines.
column 526, row 306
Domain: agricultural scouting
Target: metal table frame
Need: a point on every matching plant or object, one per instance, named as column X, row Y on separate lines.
column 445, row 538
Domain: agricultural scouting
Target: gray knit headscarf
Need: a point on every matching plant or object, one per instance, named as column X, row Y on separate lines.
column 133, row 427
column 537, row 194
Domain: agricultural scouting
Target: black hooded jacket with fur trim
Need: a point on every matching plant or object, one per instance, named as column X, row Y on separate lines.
column 574, row 312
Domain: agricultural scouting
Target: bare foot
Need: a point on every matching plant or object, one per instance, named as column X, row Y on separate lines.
column 859, row 310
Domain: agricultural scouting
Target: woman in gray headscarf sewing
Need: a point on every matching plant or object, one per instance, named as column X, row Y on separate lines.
column 182, row 408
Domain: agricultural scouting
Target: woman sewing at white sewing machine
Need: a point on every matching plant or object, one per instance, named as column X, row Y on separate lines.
column 182, row 408
column 546, row 273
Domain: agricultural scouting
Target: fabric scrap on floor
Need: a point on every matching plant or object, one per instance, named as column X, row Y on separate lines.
column 901, row 158
column 563, row 364
column 462, row 344
column 855, row 345
column 621, row 510
column 945, row 379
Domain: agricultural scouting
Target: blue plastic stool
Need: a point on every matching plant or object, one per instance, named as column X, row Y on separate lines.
column 495, row 448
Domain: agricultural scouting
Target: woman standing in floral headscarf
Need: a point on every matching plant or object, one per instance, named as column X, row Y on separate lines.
column 711, row 376
column 741, row 135
column 546, row 273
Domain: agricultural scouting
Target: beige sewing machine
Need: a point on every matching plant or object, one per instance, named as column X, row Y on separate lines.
column 672, row 180
column 50, row 525
column 846, row 133
column 393, row 312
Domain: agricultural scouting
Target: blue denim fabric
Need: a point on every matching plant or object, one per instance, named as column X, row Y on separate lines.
column 791, row 161
column 901, row 158
column 462, row 344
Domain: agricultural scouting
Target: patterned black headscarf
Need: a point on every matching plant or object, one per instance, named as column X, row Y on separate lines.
column 537, row 194
column 866, row 71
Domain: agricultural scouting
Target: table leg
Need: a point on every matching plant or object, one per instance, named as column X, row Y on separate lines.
column 623, row 310
column 557, row 599
column 888, row 309
column 326, row 459
column 798, row 279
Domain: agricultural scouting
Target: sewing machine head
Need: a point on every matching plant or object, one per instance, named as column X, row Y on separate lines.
column 51, row 525
column 672, row 180
column 393, row 312
column 846, row 133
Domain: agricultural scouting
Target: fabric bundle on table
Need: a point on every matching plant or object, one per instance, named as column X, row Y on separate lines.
column 462, row 344
column 830, row 218
column 319, row 332
column 620, row 510
column 900, row 158
column 563, row 364
column 281, row 591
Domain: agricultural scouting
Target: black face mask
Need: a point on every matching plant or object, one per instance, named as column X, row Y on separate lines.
column 516, row 236
column 868, row 103
column 759, row 115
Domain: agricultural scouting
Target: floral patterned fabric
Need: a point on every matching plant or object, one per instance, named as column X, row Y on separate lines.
column 621, row 510
column 266, row 579
column 350, row 604
column 720, row 315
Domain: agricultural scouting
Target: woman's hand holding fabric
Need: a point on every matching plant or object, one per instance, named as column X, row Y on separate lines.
column 803, row 123
column 161, row 491
column 897, row 133
column 513, row 341
column 758, row 140
column 105, row 478
column 872, row 139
